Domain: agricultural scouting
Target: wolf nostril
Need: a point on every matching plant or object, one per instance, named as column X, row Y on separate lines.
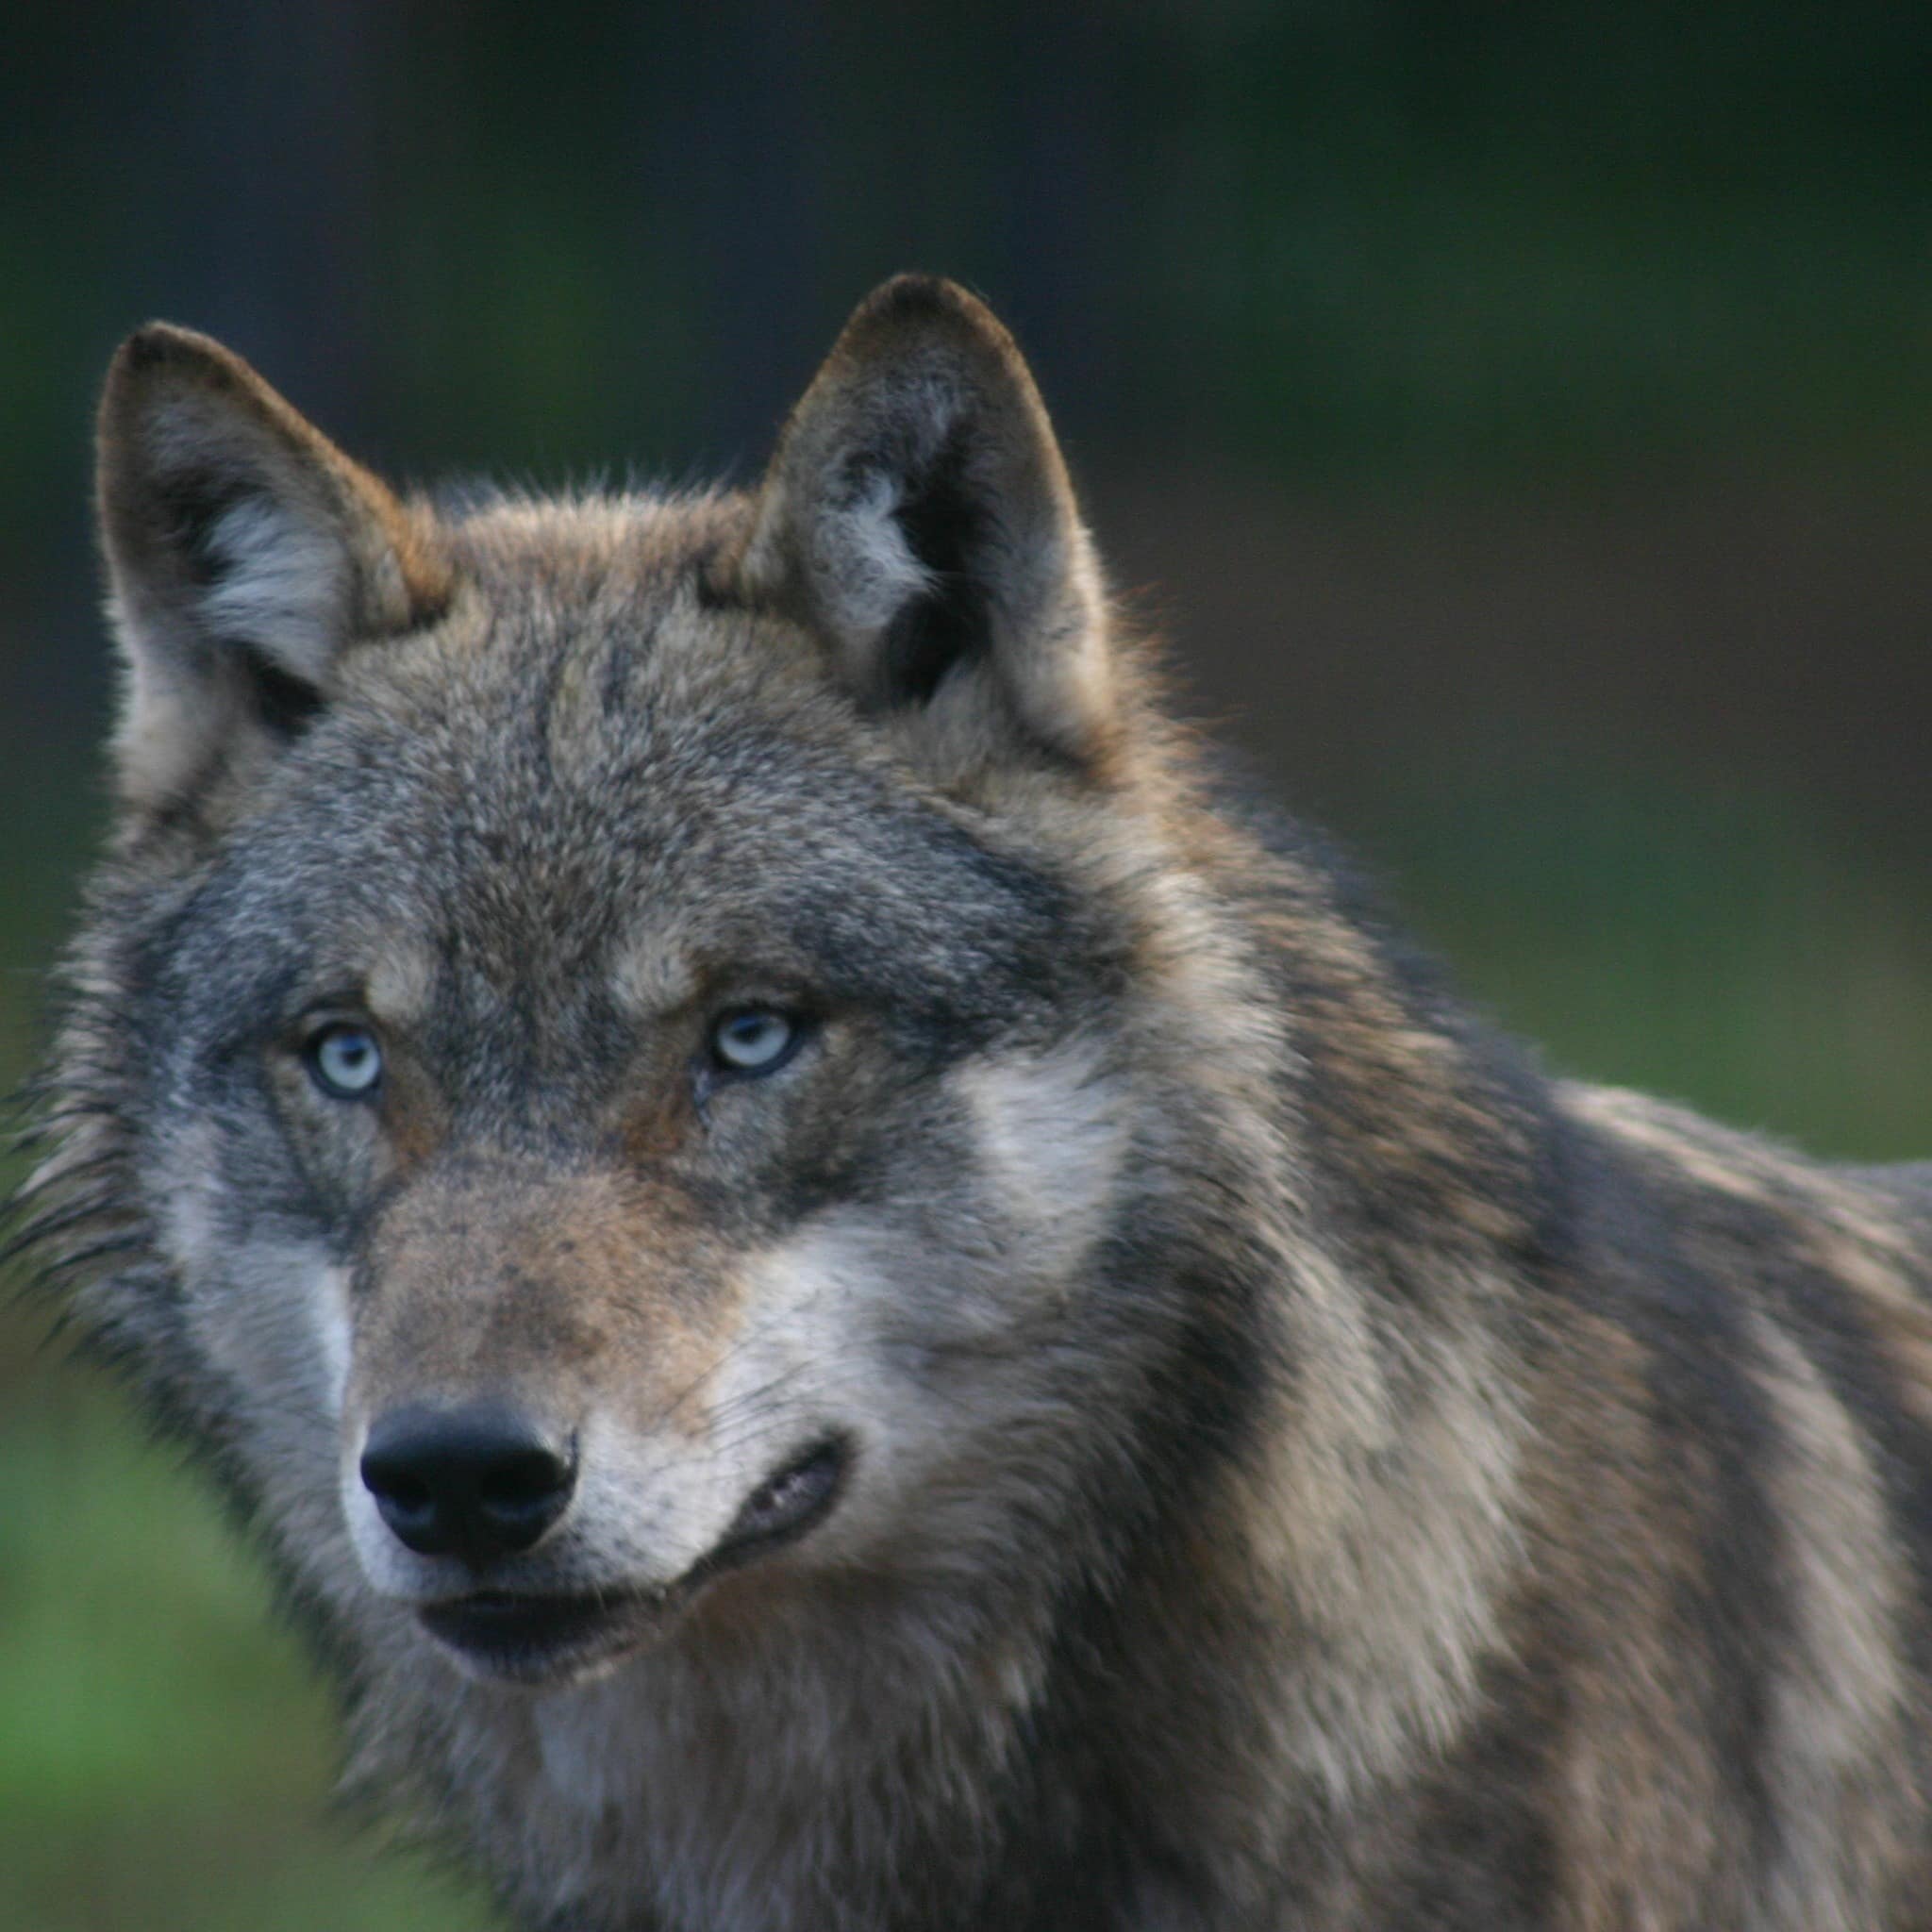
column 477, row 1482
column 520, row 1481
column 407, row 1492
column 408, row 1506
column 522, row 1496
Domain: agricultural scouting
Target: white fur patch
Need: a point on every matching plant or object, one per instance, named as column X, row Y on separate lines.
column 398, row 983
column 285, row 587
column 649, row 977
column 1053, row 1131
column 863, row 563
column 328, row 1314
column 269, row 1316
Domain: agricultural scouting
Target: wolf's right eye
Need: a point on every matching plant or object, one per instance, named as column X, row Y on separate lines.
column 753, row 1039
column 344, row 1061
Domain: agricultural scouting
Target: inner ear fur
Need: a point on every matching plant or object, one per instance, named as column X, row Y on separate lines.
column 244, row 553
column 917, row 516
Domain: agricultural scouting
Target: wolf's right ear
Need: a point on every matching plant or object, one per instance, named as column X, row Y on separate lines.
column 244, row 554
column 917, row 518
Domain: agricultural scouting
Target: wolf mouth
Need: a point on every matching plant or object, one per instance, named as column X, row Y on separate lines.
column 526, row 1637
column 789, row 1504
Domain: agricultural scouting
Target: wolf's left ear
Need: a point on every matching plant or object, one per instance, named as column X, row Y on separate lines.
column 918, row 517
column 245, row 553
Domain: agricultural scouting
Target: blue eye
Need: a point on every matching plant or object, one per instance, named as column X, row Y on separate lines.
column 344, row 1061
column 753, row 1039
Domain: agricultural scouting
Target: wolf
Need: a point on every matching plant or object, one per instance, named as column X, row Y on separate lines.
column 854, row 1295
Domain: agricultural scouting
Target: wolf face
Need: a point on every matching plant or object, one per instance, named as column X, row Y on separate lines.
column 620, row 1100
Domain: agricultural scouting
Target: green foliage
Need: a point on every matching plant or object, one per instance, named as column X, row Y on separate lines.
column 1721, row 950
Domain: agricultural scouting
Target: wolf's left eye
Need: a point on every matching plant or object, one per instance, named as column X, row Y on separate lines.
column 344, row 1061
column 753, row 1039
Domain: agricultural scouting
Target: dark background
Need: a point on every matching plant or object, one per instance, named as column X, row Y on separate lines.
column 1519, row 416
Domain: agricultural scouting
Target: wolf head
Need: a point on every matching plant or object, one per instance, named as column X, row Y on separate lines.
column 603, row 1036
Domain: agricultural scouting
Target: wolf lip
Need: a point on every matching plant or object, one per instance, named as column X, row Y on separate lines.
column 791, row 1502
column 519, row 1636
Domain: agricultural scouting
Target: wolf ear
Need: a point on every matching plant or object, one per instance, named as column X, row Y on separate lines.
column 244, row 554
column 918, row 517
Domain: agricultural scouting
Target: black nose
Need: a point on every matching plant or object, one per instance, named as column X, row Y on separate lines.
column 475, row 1482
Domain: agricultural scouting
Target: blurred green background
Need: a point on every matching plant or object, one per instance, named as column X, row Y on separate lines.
column 1520, row 416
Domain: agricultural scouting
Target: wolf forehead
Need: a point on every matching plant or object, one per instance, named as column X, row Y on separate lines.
column 595, row 777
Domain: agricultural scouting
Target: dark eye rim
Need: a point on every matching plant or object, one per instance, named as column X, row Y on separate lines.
column 723, row 1069
column 312, row 1059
